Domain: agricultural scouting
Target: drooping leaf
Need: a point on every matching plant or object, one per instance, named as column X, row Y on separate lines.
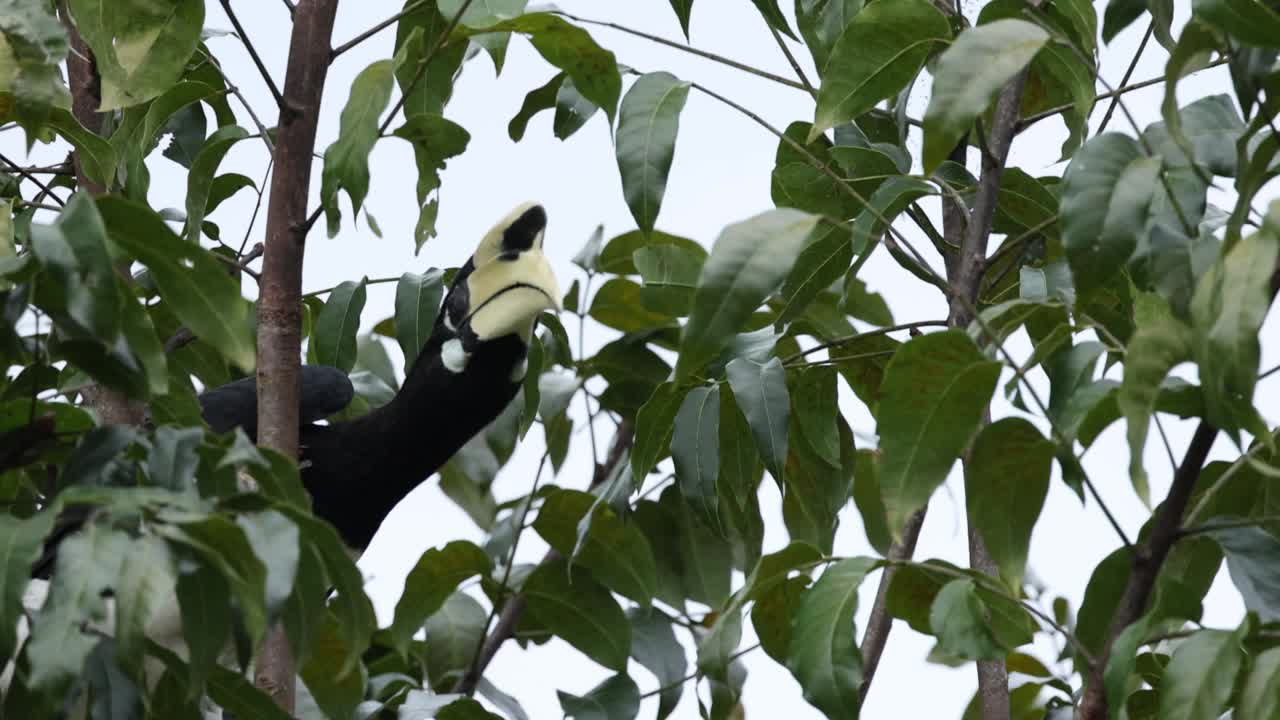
column 748, row 261
column 616, row 257
column 695, row 450
column 617, row 698
column 580, row 611
column 821, row 22
column 21, row 541
column 935, row 390
column 1006, row 482
column 761, row 392
column 417, row 304
column 1249, row 552
column 346, row 160
column 31, row 84
column 334, row 335
column 823, row 653
column 877, row 55
column 1251, row 23
column 1260, row 695
column 823, row 261
column 615, row 551
column 958, row 618
column 452, row 634
column 431, row 581
column 1160, row 342
column 200, row 178
column 647, row 125
column 1227, row 311
column 1106, row 192
column 1198, row 681
column 654, row 425
column 968, row 76
column 435, row 139
column 654, row 645
column 670, row 278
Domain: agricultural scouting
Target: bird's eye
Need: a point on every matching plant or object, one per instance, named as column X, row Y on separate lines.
column 508, row 255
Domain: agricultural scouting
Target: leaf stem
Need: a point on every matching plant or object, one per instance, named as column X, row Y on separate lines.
column 334, row 53
column 253, row 53
column 859, row 336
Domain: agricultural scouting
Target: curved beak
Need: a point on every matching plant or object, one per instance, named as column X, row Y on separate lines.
column 508, row 294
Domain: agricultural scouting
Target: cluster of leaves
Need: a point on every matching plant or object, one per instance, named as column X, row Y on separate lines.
column 727, row 364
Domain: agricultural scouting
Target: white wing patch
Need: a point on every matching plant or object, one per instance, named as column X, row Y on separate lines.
column 453, row 356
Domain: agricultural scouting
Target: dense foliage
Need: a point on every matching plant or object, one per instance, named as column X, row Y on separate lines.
column 727, row 363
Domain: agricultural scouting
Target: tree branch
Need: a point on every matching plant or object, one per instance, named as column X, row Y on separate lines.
column 333, row 54
column 280, row 290
column 880, row 623
column 1148, row 556
column 253, row 53
column 514, row 609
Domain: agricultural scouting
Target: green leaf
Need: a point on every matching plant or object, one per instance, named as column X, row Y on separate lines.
column 796, row 183
column 670, row 278
column 452, row 635
column 431, row 581
column 1227, row 311
column 813, row 403
column 588, row 256
column 140, row 49
column 334, row 335
column 1122, row 661
column 772, row 613
column 884, row 205
column 206, row 621
column 21, row 541
column 1106, row 192
column 1160, row 342
column 219, row 542
column 145, row 581
column 968, row 76
column 417, row 304
column 958, row 618
column 580, row 611
column 1250, row 22
column 192, row 282
column 695, row 450
column 435, row 140
column 617, row 698
column 1250, row 555
column 1198, row 681
column 822, row 262
column 935, row 391
column 89, row 563
column 654, row 425
column 346, row 160
column 1006, row 481
column 97, row 156
column 877, row 55
column 647, row 125
column 336, row 692
column 593, row 69
column 188, row 129
column 747, row 263
column 618, row 304
column 200, row 179
column 539, row 99
column 616, row 257
column 1260, row 696
column 654, row 646
column 761, row 392
column 772, row 15
column 683, row 8
column 31, row 86
column 74, row 250
column 824, row 655
column 530, row 385
column 615, row 552
column 740, row 474
column 821, row 22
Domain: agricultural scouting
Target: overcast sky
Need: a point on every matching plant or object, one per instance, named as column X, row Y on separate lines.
column 720, row 175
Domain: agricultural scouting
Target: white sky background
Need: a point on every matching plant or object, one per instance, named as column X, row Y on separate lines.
column 720, row 175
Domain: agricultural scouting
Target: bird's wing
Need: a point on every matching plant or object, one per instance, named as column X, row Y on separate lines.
column 324, row 391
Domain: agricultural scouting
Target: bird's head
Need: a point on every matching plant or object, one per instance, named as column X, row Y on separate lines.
column 499, row 292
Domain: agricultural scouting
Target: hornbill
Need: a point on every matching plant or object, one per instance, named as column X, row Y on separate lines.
column 465, row 375
column 469, row 370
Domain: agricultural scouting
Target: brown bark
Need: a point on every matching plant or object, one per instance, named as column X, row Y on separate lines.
column 280, row 289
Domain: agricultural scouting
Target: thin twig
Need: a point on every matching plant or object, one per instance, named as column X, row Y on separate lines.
column 333, row 54
column 1225, row 525
column 256, row 206
column 253, row 53
column 26, row 174
column 375, row 281
column 861, row 336
column 1128, row 73
column 786, row 51
column 687, row 48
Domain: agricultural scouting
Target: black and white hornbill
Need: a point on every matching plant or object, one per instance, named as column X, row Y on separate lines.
column 467, row 373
